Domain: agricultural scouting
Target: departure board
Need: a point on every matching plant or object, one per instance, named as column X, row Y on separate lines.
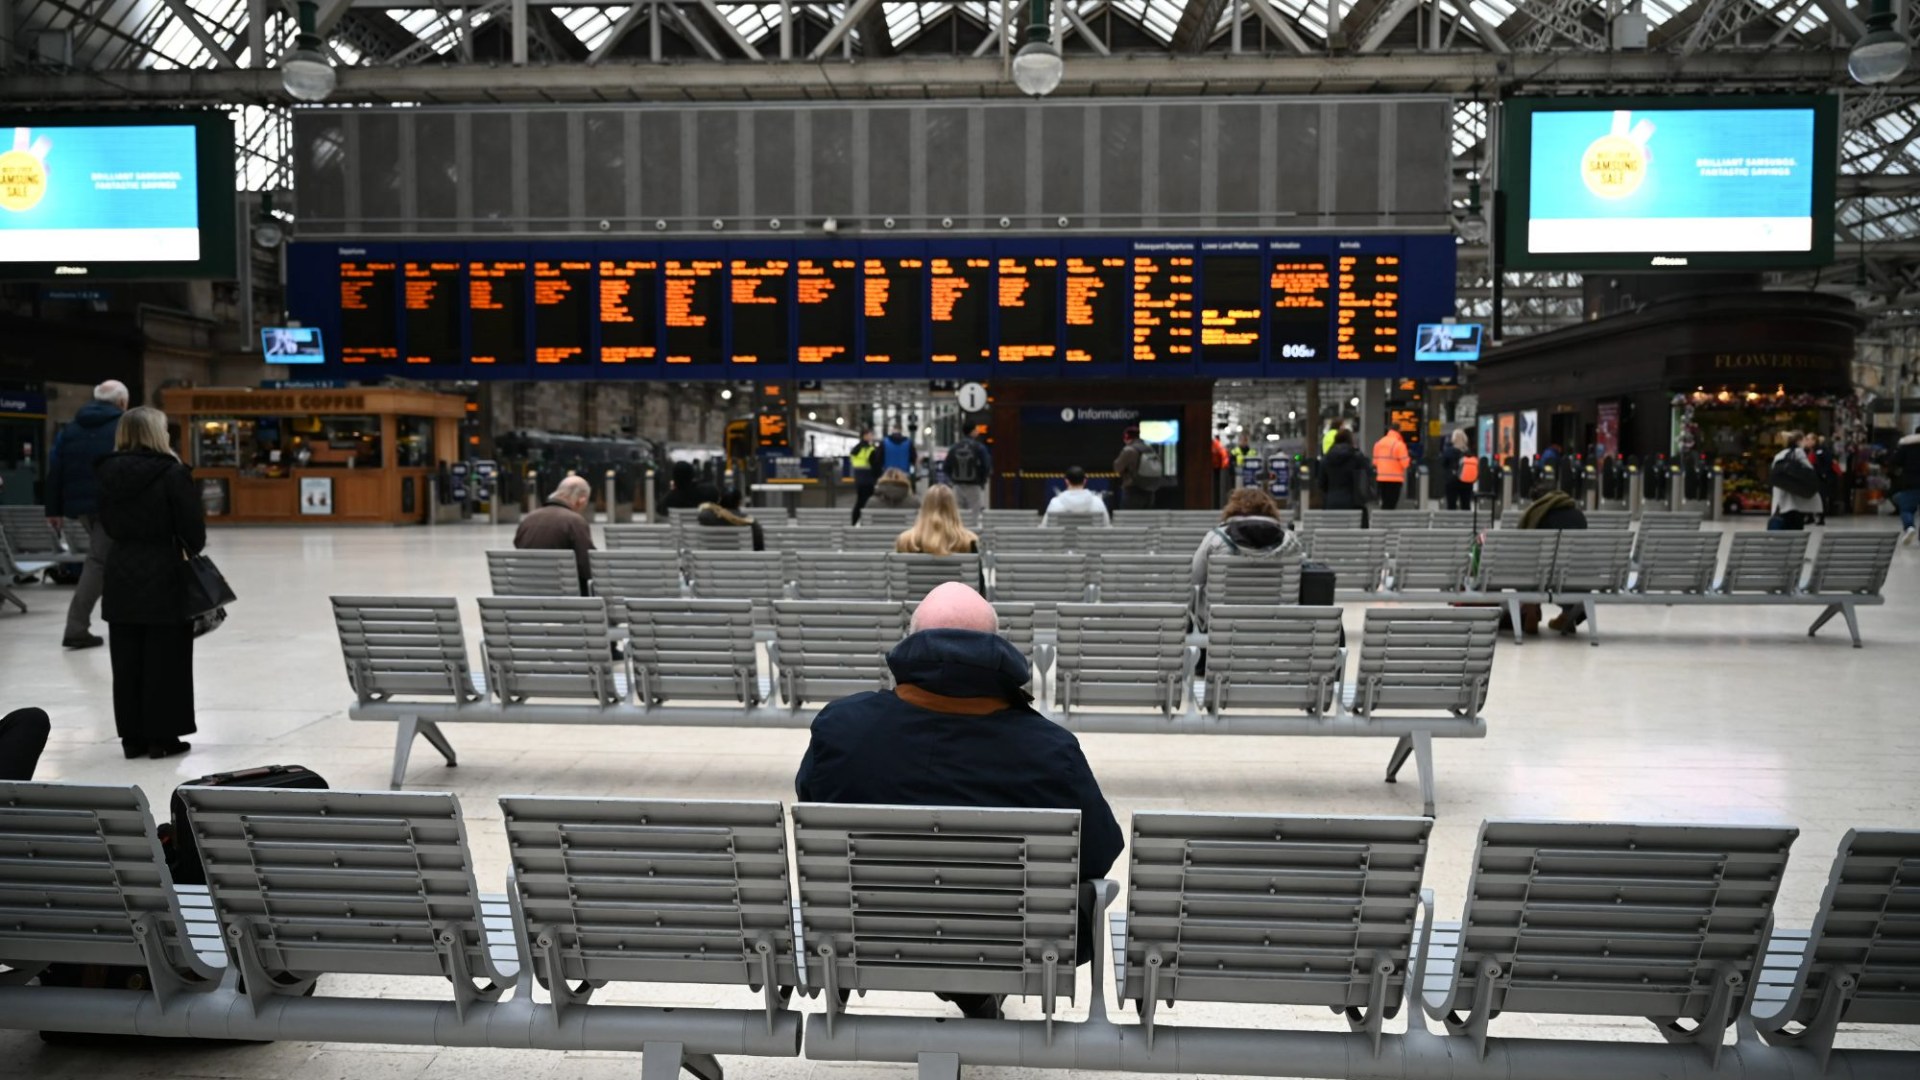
column 369, row 331
column 758, row 295
column 825, row 293
column 563, row 311
column 1096, row 309
column 1300, row 293
column 1029, row 301
column 890, row 304
column 1230, row 288
column 1368, row 327
column 431, row 296
column 957, row 304
column 1162, row 308
column 497, row 299
column 629, row 311
column 693, row 334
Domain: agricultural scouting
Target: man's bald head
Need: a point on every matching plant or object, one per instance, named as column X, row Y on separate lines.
column 574, row 491
column 953, row 606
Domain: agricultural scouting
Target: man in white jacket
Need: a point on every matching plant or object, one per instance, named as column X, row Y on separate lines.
column 1076, row 499
column 1794, row 510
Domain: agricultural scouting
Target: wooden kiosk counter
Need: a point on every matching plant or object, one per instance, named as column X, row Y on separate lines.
column 356, row 455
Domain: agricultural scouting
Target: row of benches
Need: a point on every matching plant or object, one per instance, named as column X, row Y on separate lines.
column 1671, row 922
column 1271, row 670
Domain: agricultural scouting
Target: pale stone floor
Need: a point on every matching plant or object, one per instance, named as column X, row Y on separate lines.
column 1683, row 714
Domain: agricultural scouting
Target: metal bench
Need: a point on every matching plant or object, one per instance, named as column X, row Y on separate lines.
column 533, row 573
column 1312, row 521
column 627, row 574
column 1669, row 922
column 1848, row 570
column 827, row 649
column 1590, row 564
column 13, row 567
column 408, row 654
column 655, row 891
column 1516, row 568
column 1768, row 562
column 1142, row 579
column 1030, row 540
column 867, row 538
column 1131, row 656
column 717, row 538
column 33, row 536
column 910, row 577
column 1042, row 580
column 1609, row 520
column 1358, row 557
column 1430, row 561
column 802, row 537
column 1181, row 539
column 1119, row 540
column 1274, row 658
column 837, row 575
column 692, row 650
column 1003, row 518
column 1235, row 579
column 885, row 519
column 1857, row 964
column 759, row 576
column 1271, row 909
column 642, row 537
column 1435, row 662
column 1390, row 521
column 1076, row 520
column 1675, row 563
column 821, row 515
column 1467, row 520
column 538, row 647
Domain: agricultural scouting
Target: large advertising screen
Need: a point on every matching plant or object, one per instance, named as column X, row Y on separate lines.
column 1668, row 183
column 141, row 195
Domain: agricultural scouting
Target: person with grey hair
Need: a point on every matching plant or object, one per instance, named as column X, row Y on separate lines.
column 560, row 525
column 74, row 492
column 958, row 729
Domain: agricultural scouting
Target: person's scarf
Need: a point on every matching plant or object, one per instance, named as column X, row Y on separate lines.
column 1544, row 505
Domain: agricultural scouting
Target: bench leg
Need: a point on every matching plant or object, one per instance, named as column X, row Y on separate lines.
column 1513, row 612
column 664, row 1060
column 1825, row 617
column 9, row 596
column 1593, row 620
column 409, row 727
column 1423, row 759
column 439, row 740
column 939, row 1066
column 1853, row 623
column 1401, row 750
column 1844, row 610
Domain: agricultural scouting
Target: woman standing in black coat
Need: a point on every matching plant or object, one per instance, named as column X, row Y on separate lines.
column 1342, row 476
column 149, row 507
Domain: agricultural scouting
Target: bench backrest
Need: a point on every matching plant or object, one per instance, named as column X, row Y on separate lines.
column 1084, row 519
column 343, row 882
column 1596, row 919
column 1016, row 625
column 831, row 648
column 837, row 575
column 1133, row 578
column 1610, row 520
column 802, row 537
column 868, row 538
column 697, row 537
column 1430, row 659
column 643, row 537
column 1095, row 540
column 1517, row 560
column 1462, row 520
column 533, row 573
column 1593, row 560
column 819, row 515
column 74, row 533
column 1395, row 520
column 1272, row 909
column 83, row 881
column 1431, row 560
column 28, row 531
column 1677, row 561
column 404, row 646
column 629, row 574
column 891, row 520
column 1129, row 655
column 878, row 891
column 1868, row 930
column 653, row 890
column 1510, row 517
column 1045, row 580
column 1358, row 557
column 760, row 576
column 544, row 648
column 1312, row 521
column 1765, row 562
column 1001, row 517
column 1852, row 563
column 1183, row 538
column 1026, row 540
column 1261, row 657
column 698, row 650
column 1671, row 520
column 911, row 577
column 1238, row 579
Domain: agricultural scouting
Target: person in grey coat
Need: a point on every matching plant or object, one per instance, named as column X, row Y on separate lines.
column 73, row 491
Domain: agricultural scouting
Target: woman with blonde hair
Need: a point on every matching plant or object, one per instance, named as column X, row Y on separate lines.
column 938, row 530
column 150, row 509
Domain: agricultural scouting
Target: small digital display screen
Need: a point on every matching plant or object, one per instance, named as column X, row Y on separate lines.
column 1455, row 342
column 292, row 345
column 1230, row 309
column 891, row 303
column 759, row 303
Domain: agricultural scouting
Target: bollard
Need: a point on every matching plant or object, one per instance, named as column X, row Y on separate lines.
column 1676, row 487
column 649, row 495
column 1593, row 487
column 1422, row 477
column 1717, row 494
column 1636, row 493
column 1305, row 481
column 493, row 504
column 533, row 490
column 1506, row 489
column 610, row 496
column 433, row 500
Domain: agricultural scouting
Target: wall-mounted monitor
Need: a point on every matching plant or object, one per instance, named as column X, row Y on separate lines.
column 116, row 195
column 1457, row 343
column 1680, row 183
column 1160, row 432
column 292, row 345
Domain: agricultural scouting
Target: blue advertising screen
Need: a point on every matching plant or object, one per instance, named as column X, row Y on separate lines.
column 292, row 345
column 1631, row 181
column 100, row 195
column 937, row 308
column 1456, row 343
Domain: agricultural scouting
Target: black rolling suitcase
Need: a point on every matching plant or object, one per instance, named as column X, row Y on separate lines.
column 183, row 856
column 1316, row 584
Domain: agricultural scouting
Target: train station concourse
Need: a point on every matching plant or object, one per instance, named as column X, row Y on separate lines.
column 1365, row 540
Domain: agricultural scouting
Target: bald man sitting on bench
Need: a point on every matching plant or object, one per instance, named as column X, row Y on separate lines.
column 560, row 526
column 959, row 730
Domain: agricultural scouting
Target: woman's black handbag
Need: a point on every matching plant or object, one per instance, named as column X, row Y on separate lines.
column 208, row 595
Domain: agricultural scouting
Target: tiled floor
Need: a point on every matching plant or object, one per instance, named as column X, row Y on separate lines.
column 1728, row 715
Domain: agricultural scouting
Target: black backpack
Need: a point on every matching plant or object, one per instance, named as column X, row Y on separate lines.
column 1793, row 476
column 964, row 463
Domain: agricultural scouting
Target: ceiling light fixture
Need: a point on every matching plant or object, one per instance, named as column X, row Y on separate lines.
column 305, row 71
column 1037, row 67
column 1882, row 53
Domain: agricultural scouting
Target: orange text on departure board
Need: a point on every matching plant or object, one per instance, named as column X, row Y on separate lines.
column 1162, row 306
column 1302, row 284
column 1368, row 324
column 356, row 281
column 616, row 291
column 948, row 288
column 682, row 280
column 1085, row 287
column 485, row 282
column 758, row 282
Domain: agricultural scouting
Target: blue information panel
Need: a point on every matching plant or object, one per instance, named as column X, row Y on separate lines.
column 1272, row 307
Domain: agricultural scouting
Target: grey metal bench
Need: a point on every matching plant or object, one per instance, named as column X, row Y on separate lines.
column 1609, row 520
column 1312, row 521
column 821, row 515
column 11, row 567
column 866, row 538
column 628, row 574
column 1668, row 922
column 1274, row 658
column 911, row 577
column 664, row 537
column 1181, row 539
column 1358, row 557
column 1590, row 564
column 1042, row 580
column 1029, row 540
column 1435, row 662
column 408, row 654
column 1516, row 568
column 33, row 536
column 692, row 650
column 759, row 576
column 1858, row 964
column 537, row 647
column 1129, row 656
column 1430, row 560
column 1465, row 520
column 1391, row 521
column 1849, row 570
column 1235, row 579
column 1764, row 563
column 827, row 649
column 802, row 537
column 1118, row 541
column 1142, row 579
column 1000, row 517
column 884, row 519
column 1272, row 909
column 837, row 575
column 695, row 537
column 533, row 573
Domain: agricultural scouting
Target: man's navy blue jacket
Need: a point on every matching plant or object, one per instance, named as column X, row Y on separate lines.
column 72, row 489
column 959, row 732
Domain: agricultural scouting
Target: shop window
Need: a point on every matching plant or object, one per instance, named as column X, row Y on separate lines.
column 413, row 442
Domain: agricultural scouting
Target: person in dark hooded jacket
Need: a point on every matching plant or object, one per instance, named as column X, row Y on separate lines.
column 150, row 508
column 687, row 491
column 1249, row 525
column 726, row 514
column 959, row 729
column 1343, row 474
column 74, row 492
column 1552, row 508
column 1904, row 470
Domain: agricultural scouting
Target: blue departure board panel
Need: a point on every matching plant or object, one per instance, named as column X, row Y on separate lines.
column 1224, row 307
